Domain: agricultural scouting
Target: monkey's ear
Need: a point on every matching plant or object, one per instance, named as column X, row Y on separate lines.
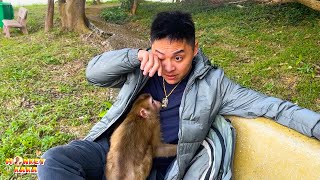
column 143, row 113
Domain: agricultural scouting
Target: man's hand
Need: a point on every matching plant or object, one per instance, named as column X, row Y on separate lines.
column 150, row 63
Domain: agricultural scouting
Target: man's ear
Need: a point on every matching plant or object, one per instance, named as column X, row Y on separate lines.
column 195, row 49
column 143, row 113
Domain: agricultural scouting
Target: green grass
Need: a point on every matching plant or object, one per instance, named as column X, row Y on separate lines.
column 45, row 98
column 263, row 45
column 46, row 101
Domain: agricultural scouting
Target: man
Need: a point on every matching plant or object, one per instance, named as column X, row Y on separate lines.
column 192, row 93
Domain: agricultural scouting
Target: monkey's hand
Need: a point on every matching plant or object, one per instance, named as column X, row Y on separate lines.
column 166, row 150
column 150, row 63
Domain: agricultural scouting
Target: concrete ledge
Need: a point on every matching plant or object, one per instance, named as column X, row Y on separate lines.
column 268, row 150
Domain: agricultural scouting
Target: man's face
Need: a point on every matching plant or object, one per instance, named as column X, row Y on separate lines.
column 175, row 57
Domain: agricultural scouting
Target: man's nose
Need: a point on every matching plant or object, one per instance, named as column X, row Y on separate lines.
column 168, row 66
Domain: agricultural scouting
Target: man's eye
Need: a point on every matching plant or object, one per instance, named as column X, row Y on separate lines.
column 178, row 58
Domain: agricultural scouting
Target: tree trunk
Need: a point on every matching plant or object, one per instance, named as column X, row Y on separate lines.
column 63, row 16
column 73, row 18
column 49, row 16
column 134, row 7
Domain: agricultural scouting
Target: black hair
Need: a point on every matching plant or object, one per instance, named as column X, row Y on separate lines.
column 174, row 25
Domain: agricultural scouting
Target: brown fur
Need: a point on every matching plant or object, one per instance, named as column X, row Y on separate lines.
column 136, row 141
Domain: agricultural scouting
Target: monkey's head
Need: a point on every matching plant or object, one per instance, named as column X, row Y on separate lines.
column 146, row 107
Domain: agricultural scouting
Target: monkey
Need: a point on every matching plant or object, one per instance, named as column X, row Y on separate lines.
column 136, row 141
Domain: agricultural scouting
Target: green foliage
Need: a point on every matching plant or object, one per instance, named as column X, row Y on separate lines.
column 115, row 15
column 126, row 4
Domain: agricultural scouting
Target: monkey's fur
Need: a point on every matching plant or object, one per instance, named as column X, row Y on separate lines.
column 136, row 142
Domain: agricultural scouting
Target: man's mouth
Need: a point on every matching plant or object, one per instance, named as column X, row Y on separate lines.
column 171, row 77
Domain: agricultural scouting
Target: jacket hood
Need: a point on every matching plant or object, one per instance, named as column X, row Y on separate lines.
column 201, row 64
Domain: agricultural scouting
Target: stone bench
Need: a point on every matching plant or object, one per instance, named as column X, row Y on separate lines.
column 20, row 23
column 268, row 150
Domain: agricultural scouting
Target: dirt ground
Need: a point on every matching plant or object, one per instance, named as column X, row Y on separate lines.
column 113, row 36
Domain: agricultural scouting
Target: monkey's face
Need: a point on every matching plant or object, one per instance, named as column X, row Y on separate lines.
column 155, row 105
column 146, row 107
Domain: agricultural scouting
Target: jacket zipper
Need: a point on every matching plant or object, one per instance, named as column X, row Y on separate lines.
column 188, row 87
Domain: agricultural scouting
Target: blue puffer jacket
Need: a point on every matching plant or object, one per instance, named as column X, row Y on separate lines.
column 208, row 93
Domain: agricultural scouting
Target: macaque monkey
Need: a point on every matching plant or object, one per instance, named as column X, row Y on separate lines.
column 136, row 142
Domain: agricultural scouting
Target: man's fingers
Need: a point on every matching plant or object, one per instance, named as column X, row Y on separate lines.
column 148, row 65
column 144, row 59
column 160, row 69
column 155, row 66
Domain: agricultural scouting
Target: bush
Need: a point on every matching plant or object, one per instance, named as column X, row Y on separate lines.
column 115, row 15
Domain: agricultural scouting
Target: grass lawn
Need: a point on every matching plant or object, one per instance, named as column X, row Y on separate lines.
column 46, row 100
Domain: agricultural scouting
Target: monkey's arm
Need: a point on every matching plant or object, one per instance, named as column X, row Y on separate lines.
column 165, row 150
column 110, row 69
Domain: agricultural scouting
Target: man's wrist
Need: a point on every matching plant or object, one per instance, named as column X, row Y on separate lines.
column 316, row 131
